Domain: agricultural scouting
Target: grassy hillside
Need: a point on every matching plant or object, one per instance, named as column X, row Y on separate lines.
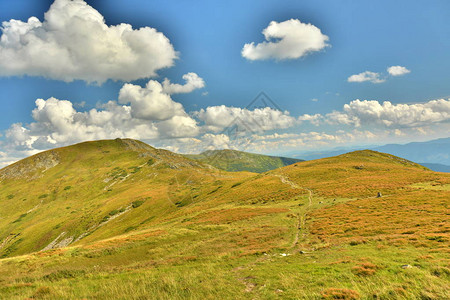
column 234, row 161
column 138, row 222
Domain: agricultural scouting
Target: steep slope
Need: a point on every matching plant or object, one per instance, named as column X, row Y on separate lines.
column 62, row 196
column 313, row 229
column 233, row 160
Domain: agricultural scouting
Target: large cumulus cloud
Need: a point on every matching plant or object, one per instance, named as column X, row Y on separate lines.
column 372, row 112
column 149, row 102
column 145, row 113
column 217, row 118
column 60, row 48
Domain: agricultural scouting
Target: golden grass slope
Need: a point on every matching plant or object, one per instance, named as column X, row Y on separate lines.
column 157, row 225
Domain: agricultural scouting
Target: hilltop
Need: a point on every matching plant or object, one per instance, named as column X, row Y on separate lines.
column 433, row 154
column 233, row 160
column 121, row 219
column 67, row 194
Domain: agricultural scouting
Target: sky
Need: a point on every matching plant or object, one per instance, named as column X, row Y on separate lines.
column 262, row 76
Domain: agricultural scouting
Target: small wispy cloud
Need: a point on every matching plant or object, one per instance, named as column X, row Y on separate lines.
column 378, row 77
column 397, row 71
column 366, row 76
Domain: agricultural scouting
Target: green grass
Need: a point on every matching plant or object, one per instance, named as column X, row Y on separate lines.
column 175, row 229
column 235, row 161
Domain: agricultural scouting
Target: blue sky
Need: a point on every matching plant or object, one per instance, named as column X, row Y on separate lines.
column 209, row 37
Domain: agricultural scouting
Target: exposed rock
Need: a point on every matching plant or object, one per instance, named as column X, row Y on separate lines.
column 406, row 266
column 31, row 167
column 53, row 244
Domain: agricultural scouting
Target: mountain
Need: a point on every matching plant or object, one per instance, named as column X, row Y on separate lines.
column 61, row 196
column 435, row 151
column 120, row 219
column 232, row 160
column 434, row 154
column 437, row 167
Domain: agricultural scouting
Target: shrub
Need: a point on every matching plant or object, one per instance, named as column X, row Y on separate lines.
column 20, row 218
column 43, row 196
column 180, row 204
column 137, row 203
column 67, row 188
column 130, row 228
column 105, row 218
column 134, row 169
column 236, row 184
column 113, row 212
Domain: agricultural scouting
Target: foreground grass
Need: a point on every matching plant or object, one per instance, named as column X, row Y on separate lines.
column 264, row 276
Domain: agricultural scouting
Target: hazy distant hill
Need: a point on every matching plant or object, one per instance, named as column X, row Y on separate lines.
column 437, row 167
column 232, row 160
column 435, row 151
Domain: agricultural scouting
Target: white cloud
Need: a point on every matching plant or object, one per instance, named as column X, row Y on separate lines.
column 150, row 102
column 398, row 132
column 178, row 126
column 271, row 143
column 366, row 76
column 146, row 113
column 57, row 123
column 217, row 118
column 370, row 112
column 216, row 141
column 290, row 39
column 398, row 70
column 73, row 42
column 313, row 119
column 377, row 77
column 193, row 82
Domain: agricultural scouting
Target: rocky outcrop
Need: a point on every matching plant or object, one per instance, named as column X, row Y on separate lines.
column 31, row 167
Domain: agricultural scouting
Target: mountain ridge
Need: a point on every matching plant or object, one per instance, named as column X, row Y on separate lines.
column 428, row 152
column 234, row 160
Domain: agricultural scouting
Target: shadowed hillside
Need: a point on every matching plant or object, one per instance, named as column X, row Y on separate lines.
column 121, row 219
column 233, row 160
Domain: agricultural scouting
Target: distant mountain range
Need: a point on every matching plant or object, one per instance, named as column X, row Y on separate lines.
column 437, row 167
column 433, row 154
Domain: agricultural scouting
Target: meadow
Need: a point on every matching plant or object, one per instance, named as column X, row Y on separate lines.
column 127, row 221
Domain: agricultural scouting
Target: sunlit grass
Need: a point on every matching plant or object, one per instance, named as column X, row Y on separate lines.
column 171, row 229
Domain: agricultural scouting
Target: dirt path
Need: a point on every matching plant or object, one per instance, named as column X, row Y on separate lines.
column 301, row 224
column 300, row 230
